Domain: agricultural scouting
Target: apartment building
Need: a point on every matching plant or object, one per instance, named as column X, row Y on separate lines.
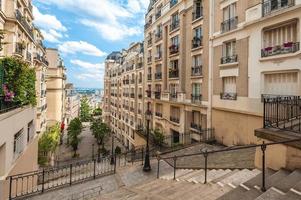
column 255, row 53
column 72, row 103
column 56, row 82
column 123, row 98
column 176, row 68
column 18, row 124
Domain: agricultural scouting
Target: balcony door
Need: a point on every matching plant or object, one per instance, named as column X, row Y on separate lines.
column 229, row 12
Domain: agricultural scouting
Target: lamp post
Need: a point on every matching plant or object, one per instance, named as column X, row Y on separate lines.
column 148, row 115
column 112, row 156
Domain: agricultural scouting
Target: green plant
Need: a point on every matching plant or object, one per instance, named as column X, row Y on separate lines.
column 74, row 130
column 48, row 143
column 158, row 137
column 97, row 112
column 19, row 79
column 85, row 110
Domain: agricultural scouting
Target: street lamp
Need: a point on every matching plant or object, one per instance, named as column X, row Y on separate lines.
column 112, row 156
column 148, row 116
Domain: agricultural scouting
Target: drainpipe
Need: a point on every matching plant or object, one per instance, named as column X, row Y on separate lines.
column 211, row 56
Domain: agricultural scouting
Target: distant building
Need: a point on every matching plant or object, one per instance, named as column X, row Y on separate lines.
column 72, row 103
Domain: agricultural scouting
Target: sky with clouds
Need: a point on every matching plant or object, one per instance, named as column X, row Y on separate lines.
column 86, row 31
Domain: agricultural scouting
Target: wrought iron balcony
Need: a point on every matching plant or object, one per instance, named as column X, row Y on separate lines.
column 19, row 49
column 158, row 35
column 132, row 95
column 158, row 114
column 139, row 65
column 198, row 13
column 289, row 47
column 196, row 98
column 228, row 96
column 149, row 93
column 173, row 96
column 175, row 119
column 158, row 75
column 158, row 14
column 174, row 24
column 140, row 96
column 173, row 73
column 173, row 49
column 229, row 24
column 149, row 77
column 158, row 56
column 195, row 126
column 229, row 59
column 196, row 42
column 196, row 71
column 269, row 6
column 157, row 94
column 24, row 23
column 149, row 42
column 149, row 59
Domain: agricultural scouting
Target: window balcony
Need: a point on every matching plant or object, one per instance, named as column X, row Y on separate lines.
column 149, row 59
column 158, row 95
column 158, row 114
column 28, row 56
column 132, row 81
column 174, row 24
column 149, row 93
column 270, row 6
column 173, row 2
column 158, row 56
column 229, row 59
column 196, row 71
column 140, row 96
column 147, row 25
column 173, row 73
column 158, row 75
column 132, row 95
column 289, row 47
column 132, row 109
column 196, row 98
column 158, row 14
column 149, row 42
column 175, row 119
column 229, row 24
column 139, row 65
column 173, row 49
column 173, row 96
column 197, row 14
column 228, row 96
column 19, row 49
column 21, row 19
column 158, row 35
column 196, row 42
column 149, row 77
column 195, row 126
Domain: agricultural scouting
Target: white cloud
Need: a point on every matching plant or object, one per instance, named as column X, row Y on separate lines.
column 87, row 65
column 72, row 47
column 112, row 32
column 86, row 76
column 51, row 28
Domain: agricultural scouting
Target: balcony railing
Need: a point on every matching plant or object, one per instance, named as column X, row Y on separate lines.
column 157, row 95
column 6, row 106
column 289, row 47
column 149, row 59
column 196, row 71
column 140, row 96
column 147, row 25
column 24, row 23
column 175, row 119
column 158, row 35
column 269, row 6
column 158, row 75
column 228, row 96
column 282, row 112
column 196, row 42
column 174, row 24
column 229, row 24
column 28, row 56
column 158, row 114
column 196, row 98
column 149, row 77
column 132, row 95
column 158, row 14
column 158, row 56
column 173, row 2
column 196, row 126
column 148, row 93
column 229, row 59
column 173, row 49
column 19, row 49
column 173, row 96
column 149, row 42
column 198, row 13
column 139, row 65
column 173, row 73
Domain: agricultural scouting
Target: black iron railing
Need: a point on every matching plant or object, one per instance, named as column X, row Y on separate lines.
column 173, row 49
column 282, row 112
column 175, row 119
column 196, row 98
column 207, row 154
column 229, row 24
column 196, row 71
column 196, row 42
column 149, row 77
column 198, row 13
column 288, row 47
column 173, row 96
column 158, row 114
column 22, row 20
column 158, row 35
column 173, row 73
column 149, row 93
column 157, row 95
column 158, row 14
column 174, row 25
column 158, row 75
column 6, row 106
column 229, row 59
column 149, row 59
column 228, row 96
column 269, row 6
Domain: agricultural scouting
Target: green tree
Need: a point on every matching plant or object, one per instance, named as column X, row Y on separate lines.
column 97, row 112
column 101, row 132
column 158, row 137
column 48, row 143
column 85, row 110
column 74, row 130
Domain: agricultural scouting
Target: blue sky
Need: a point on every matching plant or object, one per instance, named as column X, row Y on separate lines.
column 86, row 31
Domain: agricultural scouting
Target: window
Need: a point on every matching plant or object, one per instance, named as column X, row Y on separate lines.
column 173, row 88
column 173, row 2
column 175, row 114
column 196, row 61
column 280, row 40
column 158, row 52
column 30, row 131
column 281, row 83
column 229, row 52
column 18, row 142
column 196, row 92
column 197, row 38
column 158, row 33
column 198, row 9
column 175, row 22
column 230, row 18
column 174, row 69
column 229, row 12
column 229, row 88
column 274, row 5
column 174, row 48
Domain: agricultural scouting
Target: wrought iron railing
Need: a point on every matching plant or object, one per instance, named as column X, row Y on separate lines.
column 196, row 42
column 173, row 49
column 288, row 47
column 21, row 19
column 269, row 6
column 196, row 71
column 229, row 59
column 229, row 24
column 157, row 95
column 158, row 75
column 6, row 106
column 173, row 73
column 174, row 25
column 228, row 96
column 196, row 98
column 175, row 119
column 282, row 112
column 198, row 13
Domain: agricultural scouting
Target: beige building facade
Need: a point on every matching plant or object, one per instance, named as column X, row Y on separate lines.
column 72, row 103
column 56, row 81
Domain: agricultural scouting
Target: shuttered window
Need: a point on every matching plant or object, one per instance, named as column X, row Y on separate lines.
column 229, row 84
column 281, row 83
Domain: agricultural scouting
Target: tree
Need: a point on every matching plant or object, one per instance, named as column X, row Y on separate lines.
column 48, row 144
column 85, row 110
column 158, row 137
column 97, row 112
column 101, row 132
column 74, row 130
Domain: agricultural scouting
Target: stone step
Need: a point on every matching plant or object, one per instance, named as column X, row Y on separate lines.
column 178, row 190
column 189, row 175
column 233, row 194
column 276, row 178
column 225, row 176
column 251, row 194
column 270, row 194
column 258, row 179
column 289, row 182
column 179, row 172
column 240, row 177
column 297, row 187
column 290, row 196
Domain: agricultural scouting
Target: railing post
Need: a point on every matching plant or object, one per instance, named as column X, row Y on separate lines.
column 70, row 174
column 206, row 166
column 43, row 179
column 10, row 187
column 115, row 163
column 174, row 167
column 158, row 169
column 94, row 169
column 142, row 156
column 264, row 112
column 263, row 148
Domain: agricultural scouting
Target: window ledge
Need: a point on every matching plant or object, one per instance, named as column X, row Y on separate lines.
column 197, row 48
column 198, row 19
column 280, row 56
column 234, row 64
column 174, row 30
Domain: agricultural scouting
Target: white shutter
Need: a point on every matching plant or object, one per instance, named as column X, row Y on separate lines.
column 281, row 83
column 229, row 84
